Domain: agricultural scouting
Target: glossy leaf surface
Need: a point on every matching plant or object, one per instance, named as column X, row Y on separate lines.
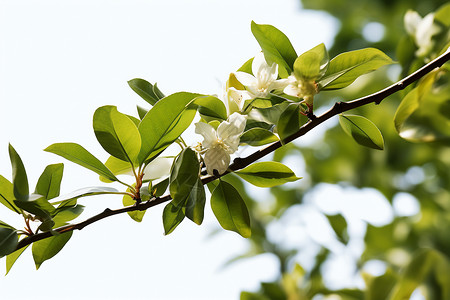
column 362, row 130
column 258, row 137
column 117, row 133
column 49, row 183
column 164, row 123
column 267, row 174
column 289, row 122
column 276, row 47
column 346, row 67
column 19, row 175
column 312, row 64
column 7, row 194
column 79, row 155
column 195, row 204
column 172, row 217
column 184, row 175
column 146, row 90
column 230, row 209
column 49, row 247
column 12, row 258
column 8, row 241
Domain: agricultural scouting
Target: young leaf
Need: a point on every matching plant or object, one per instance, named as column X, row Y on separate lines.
column 12, row 258
column 276, row 47
column 346, row 67
column 184, row 175
column 312, row 64
column 267, row 174
column 49, row 182
column 49, row 247
column 117, row 133
column 146, row 90
column 7, row 194
column 77, row 154
column 195, row 205
column 19, row 175
column 362, row 130
column 8, row 241
column 258, row 137
column 230, row 209
column 172, row 217
column 289, row 121
column 164, row 123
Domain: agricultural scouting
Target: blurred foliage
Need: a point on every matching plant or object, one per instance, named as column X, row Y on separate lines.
column 411, row 250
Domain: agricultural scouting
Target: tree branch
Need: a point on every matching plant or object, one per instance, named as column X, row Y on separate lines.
column 240, row 163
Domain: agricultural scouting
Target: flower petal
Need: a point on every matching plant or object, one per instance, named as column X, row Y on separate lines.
column 208, row 132
column 245, row 78
column 231, row 128
column 412, row 20
column 216, row 158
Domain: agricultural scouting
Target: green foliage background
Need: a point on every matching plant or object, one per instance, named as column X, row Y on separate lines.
column 414, row 250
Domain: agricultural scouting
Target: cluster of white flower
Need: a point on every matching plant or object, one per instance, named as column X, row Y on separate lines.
column 218, row 144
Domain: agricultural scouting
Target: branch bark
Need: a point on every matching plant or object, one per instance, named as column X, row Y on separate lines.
column 240, row 163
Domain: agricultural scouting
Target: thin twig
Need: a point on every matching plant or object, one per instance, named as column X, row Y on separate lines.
column 240, row 163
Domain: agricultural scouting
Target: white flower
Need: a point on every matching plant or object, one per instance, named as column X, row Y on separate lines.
column 264, row 80
column 235, row 99
column 301, row 88
column 221, row 143
column 422, row 30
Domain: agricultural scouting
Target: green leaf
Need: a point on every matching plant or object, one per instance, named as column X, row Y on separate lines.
column 267, row 174
column 184, row 175
column 247, row 67
column 172, row 217
column 442, row 14
column 136, row 215
column 258, row 137
column 362, row 130
column 423, row 114
column 195, row 205
column 160, row 188
column 77, row 154
column 49, row 183
column 164, row 123
column 210, row 106
column 66, row 214
column 415, row 273
column 37, row 205
column 12, row 258
column 19, row 175
column 346, row 67
column 84, row 192
column 7, row 194
column 339, row 225
column 117, row 167
column 289, row 122
column 141, row 112
column 49, row 247
column 8, row 241
column 276, row 47
column 146, row 90
column 117, row 133
column 312, row 64
column 230, row 209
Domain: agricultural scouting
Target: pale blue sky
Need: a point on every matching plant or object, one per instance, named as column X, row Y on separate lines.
column 59, row 61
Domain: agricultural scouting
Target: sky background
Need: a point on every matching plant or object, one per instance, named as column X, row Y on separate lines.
column 59, row 61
